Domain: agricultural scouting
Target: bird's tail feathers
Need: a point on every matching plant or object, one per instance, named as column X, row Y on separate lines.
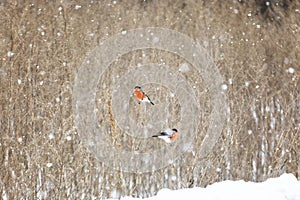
column 150, row 100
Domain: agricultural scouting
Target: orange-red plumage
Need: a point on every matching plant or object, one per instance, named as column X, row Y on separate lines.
column 174, row 136
column 140, row 95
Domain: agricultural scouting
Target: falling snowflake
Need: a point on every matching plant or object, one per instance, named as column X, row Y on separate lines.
column 69, row 138
column 184, row 67
column 291, row 70
column 51, row 136
column 249, row 132
column 77, row 7
column 10, row 54
column 49, row 165
column 20, row 139
column 224, row 87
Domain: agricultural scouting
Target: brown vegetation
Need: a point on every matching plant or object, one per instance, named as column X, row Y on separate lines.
column 255, row 47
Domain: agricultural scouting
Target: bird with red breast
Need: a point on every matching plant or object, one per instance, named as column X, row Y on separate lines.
column 141, row 95
column 169, row 135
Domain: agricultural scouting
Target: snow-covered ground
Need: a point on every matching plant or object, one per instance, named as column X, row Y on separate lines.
column 285, row 187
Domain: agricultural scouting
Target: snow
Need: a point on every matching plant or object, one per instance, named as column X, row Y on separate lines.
column 20, row 139
column 69, row 138
column 291, row 70
column 224, row 87
column 247, row 83
column 49, row 165
column 155, row 40
column 184, row 67
column 286, row 61
column 10, row 54
column 77, row 7
column 250, row 132
column 42, row 73
column 285, row 187
column 51, row 136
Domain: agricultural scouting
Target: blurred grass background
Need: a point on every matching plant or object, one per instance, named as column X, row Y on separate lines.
column 255, row 45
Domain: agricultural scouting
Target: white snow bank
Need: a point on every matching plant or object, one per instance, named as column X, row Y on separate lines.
column 285, row 187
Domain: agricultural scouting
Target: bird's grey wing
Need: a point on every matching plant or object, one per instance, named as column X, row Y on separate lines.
column 169, row 131
column 142, row 91
column 163, row 134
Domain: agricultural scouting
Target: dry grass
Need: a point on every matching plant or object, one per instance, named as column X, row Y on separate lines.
column 49, row 40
